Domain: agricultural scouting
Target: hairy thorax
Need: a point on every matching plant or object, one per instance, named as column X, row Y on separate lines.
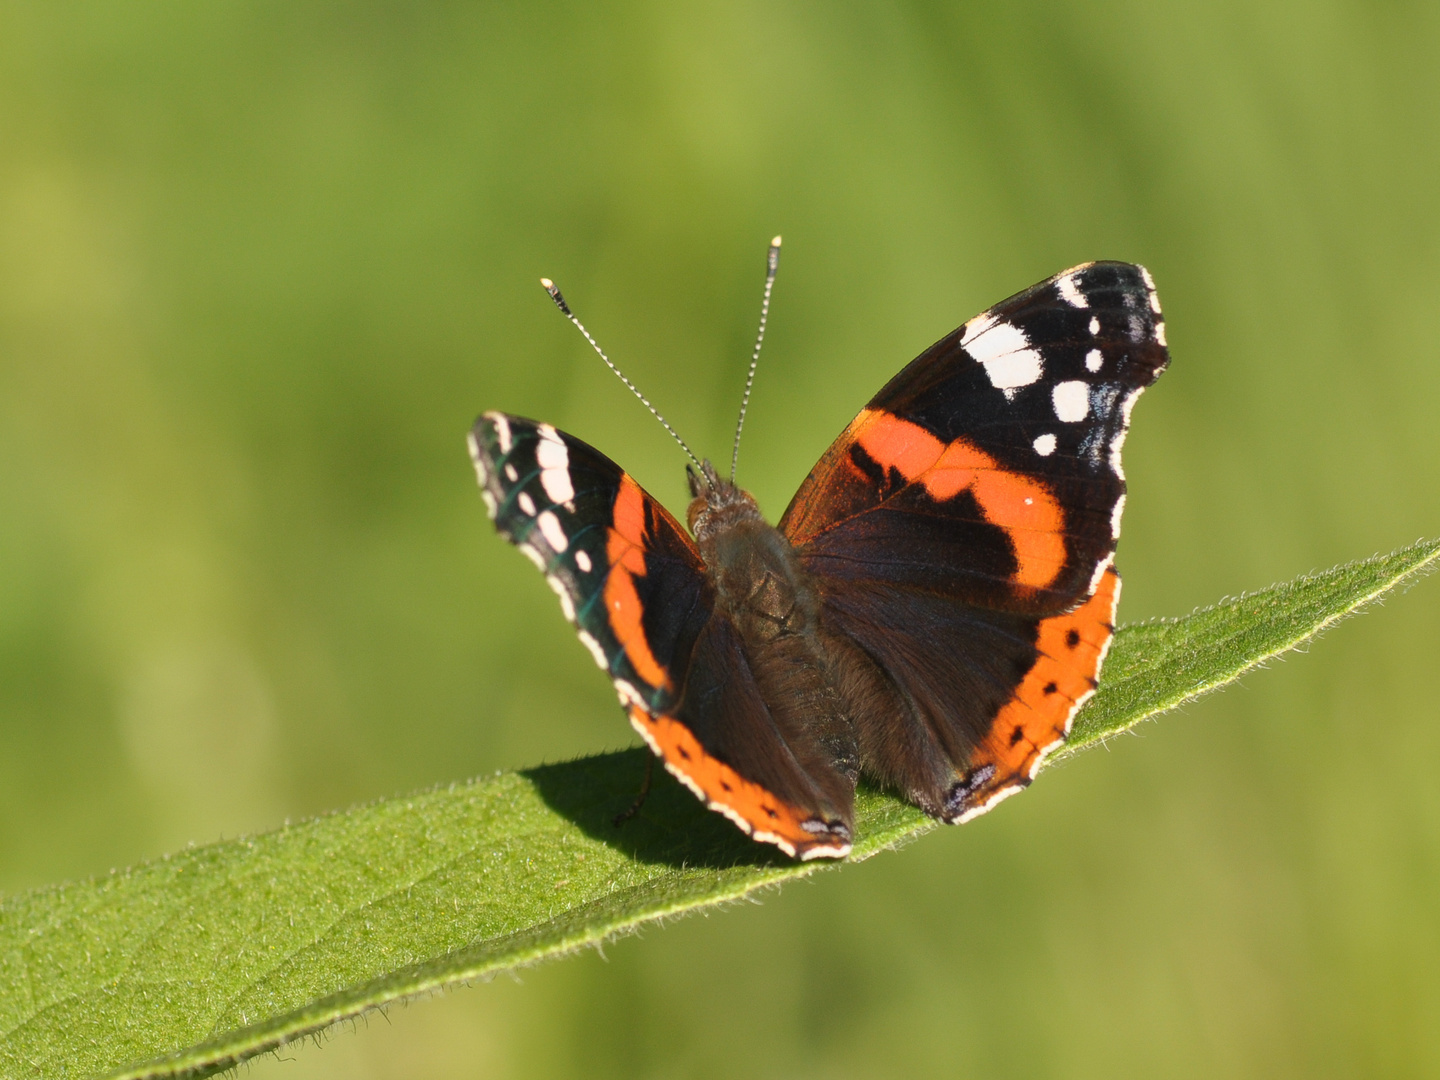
column 758, row 578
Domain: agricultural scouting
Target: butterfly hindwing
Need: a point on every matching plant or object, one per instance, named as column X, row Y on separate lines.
column 962, row 529
column 1035, row 720
column 725, row 743
column 632, row 582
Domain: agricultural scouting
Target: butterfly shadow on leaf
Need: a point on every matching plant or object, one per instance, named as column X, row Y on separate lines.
column 672, row 828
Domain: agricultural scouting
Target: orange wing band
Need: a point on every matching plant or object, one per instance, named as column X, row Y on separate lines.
column 758, row 813
column 1022, row 506
column 625, row 548
column 1036, row 720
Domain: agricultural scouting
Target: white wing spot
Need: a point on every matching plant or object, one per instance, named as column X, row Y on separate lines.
column 595, row 650
column 1094, row 360
column 511, row 474
column 1160, row 335
column 533, row 555
column 769, row 837
column 698, row 791
column 566, row 604
column 582, row 560
column 989, row 804
column 628, row 694
column 745, row 826
column 1099, row 573
column 490, row 508
column 1005, row 351
column 502, row 429
column 650, row 740
column 1119, row 441
column 1072, row 401
column 975, row 327
column 1071, row 293
column 551, row 529
column 1094, row 326
column 482, row 472
column 554, row 460
column 1045, row 446
column 1150, row 285
column 1127, row 406
column 826, row 851
column 1115, row 517
column 526, row 503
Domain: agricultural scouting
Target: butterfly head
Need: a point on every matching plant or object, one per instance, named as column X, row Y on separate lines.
column 718, row 504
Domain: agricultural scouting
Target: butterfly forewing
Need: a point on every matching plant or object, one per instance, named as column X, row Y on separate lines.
column 962, row 529
column 996, row 452
column 609, row 551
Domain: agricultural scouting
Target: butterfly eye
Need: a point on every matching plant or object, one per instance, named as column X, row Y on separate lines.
column 695, row 512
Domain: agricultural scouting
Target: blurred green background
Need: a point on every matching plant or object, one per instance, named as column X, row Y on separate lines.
column 261, row 264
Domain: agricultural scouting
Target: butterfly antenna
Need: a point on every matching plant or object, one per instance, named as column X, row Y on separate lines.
column 559, row 299
column 772, row 263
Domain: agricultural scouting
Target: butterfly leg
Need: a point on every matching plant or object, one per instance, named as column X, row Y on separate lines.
column 625, row 815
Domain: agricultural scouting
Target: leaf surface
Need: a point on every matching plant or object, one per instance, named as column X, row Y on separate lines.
column 188, row 964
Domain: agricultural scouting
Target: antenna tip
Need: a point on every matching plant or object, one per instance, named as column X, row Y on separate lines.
column 775, row 242
column 555, row 295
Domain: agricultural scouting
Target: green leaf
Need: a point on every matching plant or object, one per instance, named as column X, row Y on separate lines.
column 191, row 963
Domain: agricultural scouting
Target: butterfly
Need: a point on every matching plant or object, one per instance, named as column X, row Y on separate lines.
column 932, row 608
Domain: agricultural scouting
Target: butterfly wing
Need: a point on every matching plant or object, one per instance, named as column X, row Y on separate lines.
column 606, row 548
column 962, row 530
column 633, row 584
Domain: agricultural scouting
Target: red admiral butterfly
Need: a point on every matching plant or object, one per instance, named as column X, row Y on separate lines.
column 933, row 607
